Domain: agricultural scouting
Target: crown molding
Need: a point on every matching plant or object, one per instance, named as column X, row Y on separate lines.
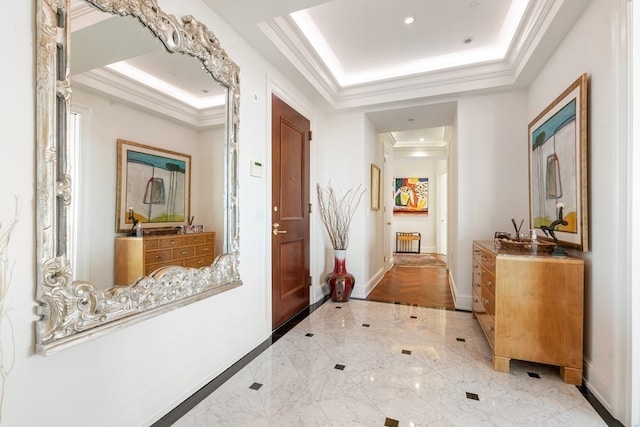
column 287, row 37
column 115, row 85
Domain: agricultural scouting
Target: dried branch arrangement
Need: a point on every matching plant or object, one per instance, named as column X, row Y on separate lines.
column 7, row 349
column 336, row 212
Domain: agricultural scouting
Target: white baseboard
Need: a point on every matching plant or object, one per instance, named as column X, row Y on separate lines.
column 461, row 302
column 362, row 291
column 597, row 385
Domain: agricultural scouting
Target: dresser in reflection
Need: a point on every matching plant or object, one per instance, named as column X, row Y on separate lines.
column 140, row 256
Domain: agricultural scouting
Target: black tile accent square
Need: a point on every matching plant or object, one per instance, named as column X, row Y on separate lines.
column 414, row 317
column 365, row 325
column 339, row 367
column 461, row 340
column 390, row 422
column 255, row 386
column 472, row 396
column 533, row 374
column 406, row 351
column 309, row 335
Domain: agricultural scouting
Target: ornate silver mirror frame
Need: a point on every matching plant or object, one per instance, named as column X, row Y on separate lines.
column 75, row 311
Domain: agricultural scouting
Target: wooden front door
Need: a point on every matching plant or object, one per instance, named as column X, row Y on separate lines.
column 290, row 279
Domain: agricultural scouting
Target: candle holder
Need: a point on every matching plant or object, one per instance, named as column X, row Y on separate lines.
column 134, row 227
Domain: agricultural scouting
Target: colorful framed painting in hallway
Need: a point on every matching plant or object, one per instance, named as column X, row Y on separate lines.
column 411, row 196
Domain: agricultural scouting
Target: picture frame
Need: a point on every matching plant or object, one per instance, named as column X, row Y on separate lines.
column 153, row 187
column 558, row 167
column 411, row 196
column 375, row 187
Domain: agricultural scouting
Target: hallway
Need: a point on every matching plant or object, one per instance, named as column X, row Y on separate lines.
column 426, row 286
column 367, row 363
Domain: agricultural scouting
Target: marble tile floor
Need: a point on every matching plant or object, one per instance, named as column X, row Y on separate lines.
column 364, row 363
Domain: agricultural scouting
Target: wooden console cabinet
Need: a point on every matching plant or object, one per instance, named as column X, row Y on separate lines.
column 530, row 308
column 140, row 256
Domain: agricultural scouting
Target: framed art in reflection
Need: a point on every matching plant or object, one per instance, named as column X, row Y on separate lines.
column 153, row 186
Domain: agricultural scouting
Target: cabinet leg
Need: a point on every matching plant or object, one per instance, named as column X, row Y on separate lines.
column 501, row 364
column 571, row 375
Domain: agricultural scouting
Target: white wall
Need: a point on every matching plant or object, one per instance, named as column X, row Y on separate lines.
column 418, row 167
column 374, row 220
column 489, row 178
column 594, row 32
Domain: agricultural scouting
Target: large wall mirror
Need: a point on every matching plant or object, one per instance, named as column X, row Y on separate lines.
column 113, row 74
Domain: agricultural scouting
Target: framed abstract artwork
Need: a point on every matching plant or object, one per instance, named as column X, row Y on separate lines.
column 154, row 187
column 375, row 187
column 558, row 168
column 411, row 196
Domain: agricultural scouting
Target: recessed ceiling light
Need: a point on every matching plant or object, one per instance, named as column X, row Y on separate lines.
column 409, row 20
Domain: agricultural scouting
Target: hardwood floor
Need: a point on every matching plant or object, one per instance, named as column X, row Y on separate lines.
column 419, row 286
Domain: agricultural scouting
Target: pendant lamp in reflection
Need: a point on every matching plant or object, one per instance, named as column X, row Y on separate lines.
column 154, row 192
column 554, row 178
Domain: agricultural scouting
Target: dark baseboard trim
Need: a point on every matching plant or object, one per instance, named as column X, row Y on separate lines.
column 192, row 401
column 601, row 410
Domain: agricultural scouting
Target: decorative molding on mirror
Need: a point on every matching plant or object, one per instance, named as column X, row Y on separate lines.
column 73, row 311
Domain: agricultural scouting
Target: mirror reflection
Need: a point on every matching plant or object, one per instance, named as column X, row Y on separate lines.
column 127, row 87
column 122, row 93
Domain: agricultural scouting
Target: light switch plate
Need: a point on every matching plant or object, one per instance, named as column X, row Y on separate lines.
column 256, row 168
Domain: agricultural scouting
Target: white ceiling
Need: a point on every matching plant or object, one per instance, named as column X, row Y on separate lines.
column 360, row 54
column 366, row 57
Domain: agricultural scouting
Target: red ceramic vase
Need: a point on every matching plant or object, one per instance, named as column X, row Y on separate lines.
column 340, row 281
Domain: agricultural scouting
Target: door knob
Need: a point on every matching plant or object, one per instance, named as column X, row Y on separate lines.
column 276, row 229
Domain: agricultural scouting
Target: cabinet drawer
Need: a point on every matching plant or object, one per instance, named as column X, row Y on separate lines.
column 153, row 257
column 489, row 280
column 488, row 261
column 476, row 282
column 488, row 325
column 488, row 300
column 172, row 242
column 150, row 268
column 183, row 252
column 194, row 239
column 151, row 244
column 476, row 303
column 201, row 261
column 205, row 250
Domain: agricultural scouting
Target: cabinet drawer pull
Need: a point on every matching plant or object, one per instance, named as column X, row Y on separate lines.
column 205, row 250
column 184, row 252
column 158, row 256
column 172, row 242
